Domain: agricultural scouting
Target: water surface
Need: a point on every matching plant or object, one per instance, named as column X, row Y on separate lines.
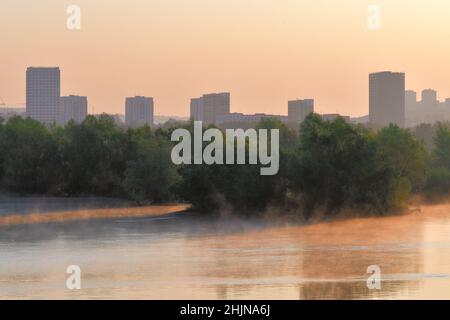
column 187, row 257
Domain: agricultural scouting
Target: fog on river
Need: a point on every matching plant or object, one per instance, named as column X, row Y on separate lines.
column 184, row 256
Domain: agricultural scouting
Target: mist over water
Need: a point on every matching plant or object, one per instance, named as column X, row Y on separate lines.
column 184, row 256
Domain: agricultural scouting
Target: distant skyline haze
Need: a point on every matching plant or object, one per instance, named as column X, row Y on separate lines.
column 264, row 52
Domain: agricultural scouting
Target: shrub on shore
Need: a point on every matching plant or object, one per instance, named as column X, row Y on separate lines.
column 329, row 165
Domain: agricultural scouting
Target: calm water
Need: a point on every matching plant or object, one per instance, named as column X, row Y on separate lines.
column 184, row 257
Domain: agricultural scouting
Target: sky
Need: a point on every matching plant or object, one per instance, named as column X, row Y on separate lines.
column 265, row 52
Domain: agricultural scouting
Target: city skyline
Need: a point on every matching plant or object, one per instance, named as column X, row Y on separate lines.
column 232, row 156
column 139, row 111
column 387, row 98
column 389, row 102
column 258, row 51
column 43, row 93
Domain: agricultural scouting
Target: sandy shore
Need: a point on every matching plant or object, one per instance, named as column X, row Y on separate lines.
column 40, row 210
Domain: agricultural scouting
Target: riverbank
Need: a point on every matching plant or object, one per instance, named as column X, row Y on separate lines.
column 192, row 257
column 41, row 210
column 10, row 204
column 34, row 210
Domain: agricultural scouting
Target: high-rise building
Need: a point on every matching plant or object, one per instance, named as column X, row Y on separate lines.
column 333, row 116
column 412, row 110
column 428, row 110
column 197, row 109
column 429, row 98
column 139, row 111
column 410, row 98
column 298, row 110
column 73, row 108
column 11, row 111
column 247, row 118
column 387, row 98
column 43, row 93
column 447, row 103
column 209, row 106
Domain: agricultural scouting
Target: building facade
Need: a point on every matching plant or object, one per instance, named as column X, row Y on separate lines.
column 73, row 108
column 333, row 116
column 247, row 118
column 8, row 112
column 428, row 110
column 196, row 113
column 139, row 111
column 387, row 98
column 208, row 107
column 43, row 86
column 410, row 98
column 298, row 110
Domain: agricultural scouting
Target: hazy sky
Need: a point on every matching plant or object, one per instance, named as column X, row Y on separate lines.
column 264, row 52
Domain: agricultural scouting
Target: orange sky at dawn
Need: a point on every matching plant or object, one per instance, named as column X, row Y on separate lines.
column 264, row 52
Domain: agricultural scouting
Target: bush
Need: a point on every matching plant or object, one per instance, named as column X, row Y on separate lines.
column 330, row 165
column 150, row 175
column 241, row 187
column 438, row 182
column 405, row 155
column 338, row 166
column 29, row 156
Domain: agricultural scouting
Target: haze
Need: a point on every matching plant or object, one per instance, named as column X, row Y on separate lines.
column 264, row 52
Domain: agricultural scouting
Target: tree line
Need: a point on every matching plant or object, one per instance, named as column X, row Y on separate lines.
column 326, row 165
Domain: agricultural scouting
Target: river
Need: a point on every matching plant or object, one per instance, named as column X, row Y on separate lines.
column 183, row 256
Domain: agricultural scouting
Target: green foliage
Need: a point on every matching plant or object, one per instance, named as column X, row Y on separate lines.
column 198, row 186
column 438, row 182
column 438, row 177
column 241, row 187
column 329, row 165
column 150, row 174
column 337, row 166
column 28, row 156
column 92, row 158
column 407, row 156
column 441, row 152
column 247, row 191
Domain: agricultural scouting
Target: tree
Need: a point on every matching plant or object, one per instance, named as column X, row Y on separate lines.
column 199, row 183
column 441, row 151
column 425, row 132
column 29, row 156
column 241, row 187
column 438, row 177
column 438, row 182
column 407, row 156
column 94, row 154
column 150, row 174
column 337, row 166
column 198, row 186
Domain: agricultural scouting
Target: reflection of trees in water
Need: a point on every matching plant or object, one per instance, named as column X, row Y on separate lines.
column 245, row 261
column 104, row 228
column 222, row 292
column 326, row 261
column 353, row 290
column 28, row 205
column 392, row 243
column 332, row 290
column 346, row 272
